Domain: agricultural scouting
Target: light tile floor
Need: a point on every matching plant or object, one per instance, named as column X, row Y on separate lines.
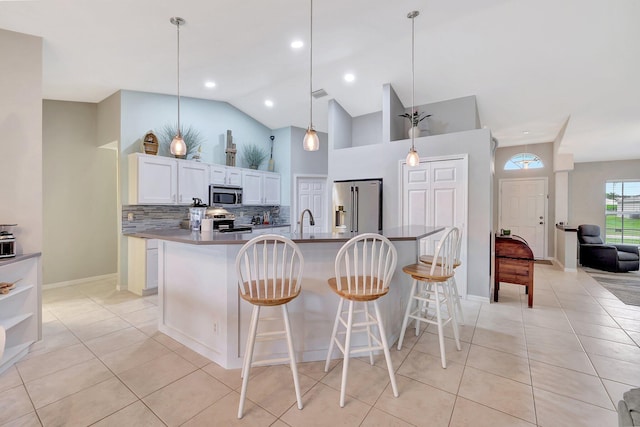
column 566, row 362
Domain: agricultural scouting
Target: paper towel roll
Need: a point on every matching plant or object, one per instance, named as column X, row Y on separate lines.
column 207, row 224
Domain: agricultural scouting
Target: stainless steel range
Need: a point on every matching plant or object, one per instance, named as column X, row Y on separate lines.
column 7, row 241
column 224, row 221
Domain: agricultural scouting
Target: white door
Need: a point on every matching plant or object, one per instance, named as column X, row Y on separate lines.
column 523, row 207
column 312, row 194
column 434, row 193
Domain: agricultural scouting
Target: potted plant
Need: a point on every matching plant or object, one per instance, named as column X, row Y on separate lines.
column 253, row 155
column 414, row 119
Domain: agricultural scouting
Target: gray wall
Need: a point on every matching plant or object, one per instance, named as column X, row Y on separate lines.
column 367, row 129
column 545, row 152
column 80, row 226
column 587, row 188
column 21, row 143
column 383, row 161
column 340, row 125
column 109, row 120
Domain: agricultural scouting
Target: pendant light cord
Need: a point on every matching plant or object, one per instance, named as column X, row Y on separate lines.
column 178, row 73
column 311, row 67
column 413, row 74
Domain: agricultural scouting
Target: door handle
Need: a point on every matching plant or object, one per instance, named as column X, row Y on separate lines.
column 541, row 222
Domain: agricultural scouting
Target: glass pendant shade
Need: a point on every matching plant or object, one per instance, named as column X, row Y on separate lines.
column 412, row 158
column 178, row 147
column 311, row 141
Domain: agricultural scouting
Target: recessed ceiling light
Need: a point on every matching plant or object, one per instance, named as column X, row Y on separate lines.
column 297, row 44
column 268, row 103
column 209, row 84
column 349, row 77
column 526, row 132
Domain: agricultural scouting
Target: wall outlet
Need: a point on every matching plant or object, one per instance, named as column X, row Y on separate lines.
column 130, row 216
column 215, row 328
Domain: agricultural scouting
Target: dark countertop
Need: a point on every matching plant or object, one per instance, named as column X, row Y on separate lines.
column 566, row 227
column 216, row 238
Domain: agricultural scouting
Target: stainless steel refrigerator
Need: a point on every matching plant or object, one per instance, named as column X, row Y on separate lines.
column 357, row 206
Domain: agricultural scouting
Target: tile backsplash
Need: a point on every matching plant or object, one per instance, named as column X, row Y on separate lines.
column 145, row 217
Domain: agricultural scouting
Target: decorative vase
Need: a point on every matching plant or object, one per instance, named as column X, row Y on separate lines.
column 414, row 131
column 253, row 166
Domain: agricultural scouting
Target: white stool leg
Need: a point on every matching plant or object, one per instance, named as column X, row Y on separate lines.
column 248, row 356
column 347, row 350
column 457, row 303
column 406, row 314
column 333, row 335
column 366, row 315
column 443, row 356
column 292, row 357
column 452, row 314
column 421, row 305
column 385, row 348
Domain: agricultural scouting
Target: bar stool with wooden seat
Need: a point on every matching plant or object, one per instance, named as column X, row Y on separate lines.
column 434, row 288
column 269, row 269
column 363, row 270
column 428, row 260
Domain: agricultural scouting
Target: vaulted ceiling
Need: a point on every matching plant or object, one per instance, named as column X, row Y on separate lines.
column 533, row 65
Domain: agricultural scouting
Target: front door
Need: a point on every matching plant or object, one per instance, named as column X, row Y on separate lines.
column 523, row 210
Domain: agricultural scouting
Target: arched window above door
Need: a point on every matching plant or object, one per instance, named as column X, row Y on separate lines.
column 523, row 161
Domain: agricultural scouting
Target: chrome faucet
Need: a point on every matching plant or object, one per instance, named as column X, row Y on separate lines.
column 311, row 220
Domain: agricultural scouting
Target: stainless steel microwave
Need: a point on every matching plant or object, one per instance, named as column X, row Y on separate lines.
column 224, row 195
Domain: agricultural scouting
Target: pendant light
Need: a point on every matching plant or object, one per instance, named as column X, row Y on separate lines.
column 178, row 148
column 412, row 158
column 310, row 141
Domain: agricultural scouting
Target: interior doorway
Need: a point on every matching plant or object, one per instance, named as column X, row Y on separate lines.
column 523, row 209
column 435, row 193
column 311, row 193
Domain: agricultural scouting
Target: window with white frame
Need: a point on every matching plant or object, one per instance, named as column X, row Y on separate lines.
column 622, row 212
column 523, row 161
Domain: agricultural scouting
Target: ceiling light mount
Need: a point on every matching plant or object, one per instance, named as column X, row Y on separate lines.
column 178, row 147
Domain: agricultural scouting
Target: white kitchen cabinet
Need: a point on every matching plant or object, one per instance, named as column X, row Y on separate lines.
column 142, row 276
column 260, row 188
column 226, row 175
column 153, row 180
column 156, row 180
column 271, row 185
column 21, row 308
column 193, row 181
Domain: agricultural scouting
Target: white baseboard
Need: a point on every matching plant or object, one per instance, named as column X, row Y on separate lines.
column 79, row 281
column 477, row 298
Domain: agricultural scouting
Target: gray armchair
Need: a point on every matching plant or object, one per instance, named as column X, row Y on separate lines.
column 596, row 254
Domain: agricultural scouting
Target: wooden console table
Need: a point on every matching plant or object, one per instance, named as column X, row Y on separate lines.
column 513, row 264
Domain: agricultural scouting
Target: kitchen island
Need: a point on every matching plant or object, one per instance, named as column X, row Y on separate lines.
column 200, row 305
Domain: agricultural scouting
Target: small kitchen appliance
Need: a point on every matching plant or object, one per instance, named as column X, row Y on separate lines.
column 7, row 241
column 196, row 214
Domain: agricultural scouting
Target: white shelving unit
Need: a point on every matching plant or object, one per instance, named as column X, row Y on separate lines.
column 21, row 308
